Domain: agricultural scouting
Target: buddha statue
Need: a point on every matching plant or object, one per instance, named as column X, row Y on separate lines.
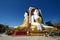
column 25, row 23
column 36, row 20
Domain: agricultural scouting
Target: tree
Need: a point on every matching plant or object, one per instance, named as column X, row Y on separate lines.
column 49, row 23
column 3, row 28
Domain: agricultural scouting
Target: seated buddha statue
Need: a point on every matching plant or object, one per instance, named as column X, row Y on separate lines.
column 36, row 20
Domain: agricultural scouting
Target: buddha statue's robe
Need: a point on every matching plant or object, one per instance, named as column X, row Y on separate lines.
column 24, row 25
column 36, row 25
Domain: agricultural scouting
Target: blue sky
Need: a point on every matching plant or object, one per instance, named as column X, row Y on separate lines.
column 12, row 11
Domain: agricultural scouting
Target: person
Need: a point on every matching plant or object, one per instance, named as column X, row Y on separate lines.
column 36, row 19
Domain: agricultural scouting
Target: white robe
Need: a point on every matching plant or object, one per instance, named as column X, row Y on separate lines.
column 35, row 23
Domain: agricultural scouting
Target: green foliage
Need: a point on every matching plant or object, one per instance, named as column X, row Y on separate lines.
column 49, row 23
column 3, row 28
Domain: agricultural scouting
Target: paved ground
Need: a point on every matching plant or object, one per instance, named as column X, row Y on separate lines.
column 5, row 37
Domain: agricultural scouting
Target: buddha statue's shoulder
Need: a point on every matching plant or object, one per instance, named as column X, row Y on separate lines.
column 27, row 16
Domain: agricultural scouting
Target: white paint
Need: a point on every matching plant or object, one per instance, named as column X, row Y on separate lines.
column 36, row 16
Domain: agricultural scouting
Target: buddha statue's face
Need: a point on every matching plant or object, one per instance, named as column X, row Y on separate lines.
column 25, row 14
column 36, row 12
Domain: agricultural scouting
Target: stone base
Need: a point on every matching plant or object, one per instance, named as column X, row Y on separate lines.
column 37, row 34
column 19, row 33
